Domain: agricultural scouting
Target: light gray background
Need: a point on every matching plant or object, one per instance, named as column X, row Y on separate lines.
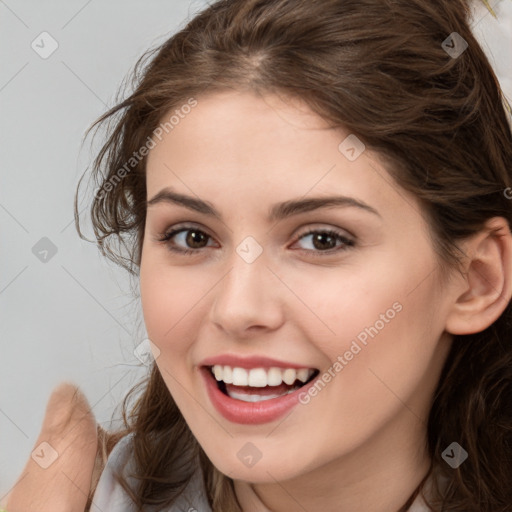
column 73, row 317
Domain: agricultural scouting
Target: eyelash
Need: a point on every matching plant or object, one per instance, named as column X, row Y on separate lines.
column 166, row 237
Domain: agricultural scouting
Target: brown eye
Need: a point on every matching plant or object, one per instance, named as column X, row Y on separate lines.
column 185, row 240
column 190, row 240
column 196, row 239
column 325, row 240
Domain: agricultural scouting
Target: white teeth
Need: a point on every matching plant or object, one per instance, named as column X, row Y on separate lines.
column 274, row 377
column 244, row 397
column 289, row 376
column 260, row 377
column 257, row 378
column 218, row 372
column 250, row 398
column 227, row 377
column 303, row 374
column 240, row 376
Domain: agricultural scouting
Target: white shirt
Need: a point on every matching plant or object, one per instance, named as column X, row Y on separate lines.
column 111, row 497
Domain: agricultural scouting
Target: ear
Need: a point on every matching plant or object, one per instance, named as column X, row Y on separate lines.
column 486, row 289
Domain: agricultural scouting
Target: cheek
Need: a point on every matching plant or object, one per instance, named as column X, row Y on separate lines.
column 336, row 305
column 388, row 338
column 378, row 314
column 172, row 298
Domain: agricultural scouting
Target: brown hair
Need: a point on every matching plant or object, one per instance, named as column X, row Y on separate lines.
column 378, row 69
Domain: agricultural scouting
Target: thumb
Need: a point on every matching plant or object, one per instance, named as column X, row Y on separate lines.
column 57, row 476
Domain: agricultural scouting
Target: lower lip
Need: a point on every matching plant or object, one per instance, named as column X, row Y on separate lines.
column 250, row 413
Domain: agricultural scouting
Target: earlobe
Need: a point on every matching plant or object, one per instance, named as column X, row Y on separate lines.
column 486, row 289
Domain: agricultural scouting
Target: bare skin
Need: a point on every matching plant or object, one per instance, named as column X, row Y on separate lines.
column 70, row 429
column 357, row 445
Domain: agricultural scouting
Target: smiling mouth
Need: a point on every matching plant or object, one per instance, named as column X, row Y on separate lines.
column 259, row 384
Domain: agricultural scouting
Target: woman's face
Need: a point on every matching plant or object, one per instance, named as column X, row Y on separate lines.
column 344, row 290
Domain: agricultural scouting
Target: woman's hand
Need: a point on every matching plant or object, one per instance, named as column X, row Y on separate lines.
column 58, row 475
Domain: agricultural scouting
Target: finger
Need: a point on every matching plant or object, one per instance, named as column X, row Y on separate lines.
column 57, row 476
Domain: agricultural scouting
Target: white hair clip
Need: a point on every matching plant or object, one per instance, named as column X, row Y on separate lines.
column 492, row 27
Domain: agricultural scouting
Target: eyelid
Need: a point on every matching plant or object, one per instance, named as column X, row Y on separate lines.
column 317, row 226
column 348, row 240
column 165, row 236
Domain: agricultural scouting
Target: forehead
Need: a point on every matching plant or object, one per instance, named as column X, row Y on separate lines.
column 241, row 149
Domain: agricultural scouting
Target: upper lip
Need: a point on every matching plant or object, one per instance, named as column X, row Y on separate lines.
column 250, row 362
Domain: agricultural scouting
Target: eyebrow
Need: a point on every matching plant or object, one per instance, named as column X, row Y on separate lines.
column 277, row 212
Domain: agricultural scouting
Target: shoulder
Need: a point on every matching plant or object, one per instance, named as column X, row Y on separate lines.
column 419, row 504
column 109, row 494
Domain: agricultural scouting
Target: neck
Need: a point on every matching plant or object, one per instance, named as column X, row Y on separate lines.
column 377, row 477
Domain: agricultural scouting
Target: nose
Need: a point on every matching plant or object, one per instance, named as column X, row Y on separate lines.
column 247, row 300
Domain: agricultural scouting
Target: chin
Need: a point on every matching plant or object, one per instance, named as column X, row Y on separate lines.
column 264, row 471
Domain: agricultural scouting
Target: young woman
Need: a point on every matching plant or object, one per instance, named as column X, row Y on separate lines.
column 315, row 197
